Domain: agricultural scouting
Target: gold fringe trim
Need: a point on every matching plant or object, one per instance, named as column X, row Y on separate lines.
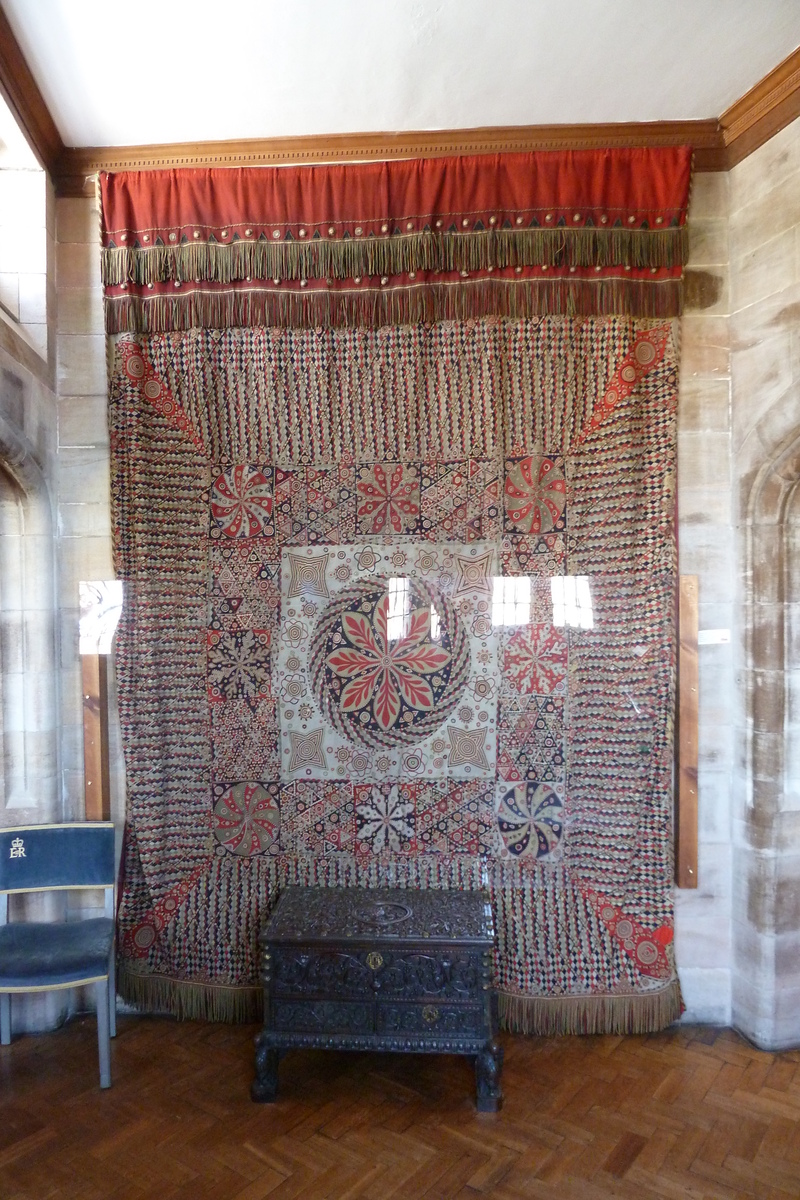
column 236, row 308
column 191, row 1001
column 346, row 258
column 548, row 1016
column 541, row 1016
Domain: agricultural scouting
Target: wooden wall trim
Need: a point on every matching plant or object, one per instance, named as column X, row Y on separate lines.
column 76, row 165
column 22, row 95
column 687, row 734
column 763, row 111
column 97, row 790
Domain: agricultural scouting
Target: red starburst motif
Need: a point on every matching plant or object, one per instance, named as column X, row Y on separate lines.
column 536, row 660
column 241, row 502
column 246, row 819
column 383, row 674
column 390, row 497
column 535, row 494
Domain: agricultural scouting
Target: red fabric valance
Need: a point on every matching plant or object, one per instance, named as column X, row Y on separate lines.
column 379, row 243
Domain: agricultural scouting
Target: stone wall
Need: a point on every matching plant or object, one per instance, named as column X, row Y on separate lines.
column 706, row 549
column 84, row 519
column 83, row 500
column 764, row 233
column 30, row 789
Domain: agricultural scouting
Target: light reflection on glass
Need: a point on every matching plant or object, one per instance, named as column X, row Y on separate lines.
column 398, row 617
column 100, row 609
column 571, row 597
column 511, row 600
column 572, row 601
column 399, row 609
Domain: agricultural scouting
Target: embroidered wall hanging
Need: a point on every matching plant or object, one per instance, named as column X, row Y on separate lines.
column 393, row 487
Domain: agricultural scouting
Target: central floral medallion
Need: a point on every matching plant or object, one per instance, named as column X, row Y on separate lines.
column 386, row 663
column 387, row 668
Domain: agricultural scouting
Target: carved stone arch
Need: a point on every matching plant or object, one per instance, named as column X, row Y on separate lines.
column 28, row 683
column 767, row 846
column 791, row 646
column 771, row 579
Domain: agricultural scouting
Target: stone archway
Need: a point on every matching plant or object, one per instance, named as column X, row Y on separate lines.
column 28, row 685
column 766, row 991
column 791, row 652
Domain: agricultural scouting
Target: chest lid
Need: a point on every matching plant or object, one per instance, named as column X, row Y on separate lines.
column 378, row 915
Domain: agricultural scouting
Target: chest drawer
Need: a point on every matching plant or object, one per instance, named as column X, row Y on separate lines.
column 322, row 1016
column 404, row 975
column 301, row 971
column 441, row 975
column 431, row 1020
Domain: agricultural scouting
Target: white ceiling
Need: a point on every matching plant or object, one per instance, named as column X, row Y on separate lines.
column 117, row 73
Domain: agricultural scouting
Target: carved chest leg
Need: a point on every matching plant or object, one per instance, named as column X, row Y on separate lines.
column 488, row 1065
column 264, row 1087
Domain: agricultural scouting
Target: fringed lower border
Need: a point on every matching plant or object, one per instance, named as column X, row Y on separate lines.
column 191, row 1001
column 542, row 1016
column 547, row 1016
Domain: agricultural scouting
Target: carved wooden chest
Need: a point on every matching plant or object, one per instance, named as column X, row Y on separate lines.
column 382, row 969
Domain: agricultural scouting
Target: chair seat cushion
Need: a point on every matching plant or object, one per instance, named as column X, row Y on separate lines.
column 34, row 954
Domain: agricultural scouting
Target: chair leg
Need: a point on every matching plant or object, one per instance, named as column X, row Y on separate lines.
column 112, row 996
column 5, row 1019
column 103, row 1043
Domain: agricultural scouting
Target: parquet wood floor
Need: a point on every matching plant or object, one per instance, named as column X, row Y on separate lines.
column 691, row 1113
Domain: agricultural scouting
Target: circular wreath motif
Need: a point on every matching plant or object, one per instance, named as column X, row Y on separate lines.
column 535, row 494
column 246, row 819
column 644, row 352
column 647, row 952
column 241, row 502
column 385, row 681
column 144, row 936
column 530, row 817
column 134, row 366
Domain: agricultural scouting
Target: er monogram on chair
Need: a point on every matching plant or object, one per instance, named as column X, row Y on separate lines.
column 40, row 956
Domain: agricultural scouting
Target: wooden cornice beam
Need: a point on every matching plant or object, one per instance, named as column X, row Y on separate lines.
column 78, row 164
column 767, row 108
column 21, row 93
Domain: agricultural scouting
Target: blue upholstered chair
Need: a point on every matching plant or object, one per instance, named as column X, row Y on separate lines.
column 45, row 956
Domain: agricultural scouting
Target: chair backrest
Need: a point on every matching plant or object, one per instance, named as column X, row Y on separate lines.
column 45, row 857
